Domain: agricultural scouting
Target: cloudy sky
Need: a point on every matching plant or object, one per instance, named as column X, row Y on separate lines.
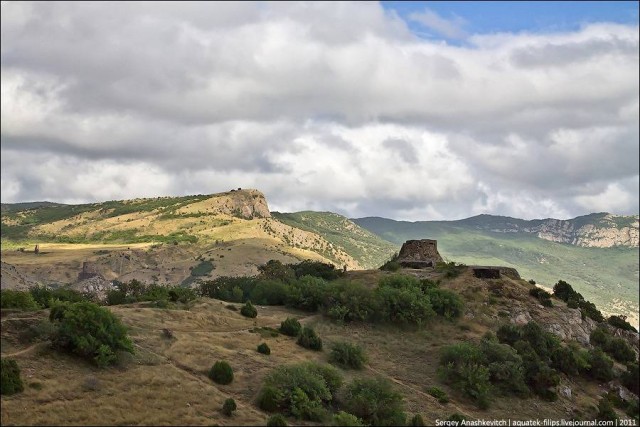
column 415, row 111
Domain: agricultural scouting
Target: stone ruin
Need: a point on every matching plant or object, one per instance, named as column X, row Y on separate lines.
column 419, row 254
column 88, row 271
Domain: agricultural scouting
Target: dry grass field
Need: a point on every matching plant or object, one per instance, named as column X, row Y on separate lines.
column 166, row 383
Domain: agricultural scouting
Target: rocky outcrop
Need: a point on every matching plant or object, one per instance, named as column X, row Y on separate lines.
column 419, row 254
column 97, row 285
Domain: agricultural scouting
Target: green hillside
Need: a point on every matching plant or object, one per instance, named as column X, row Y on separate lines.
column 603, row 275
column 368, row 249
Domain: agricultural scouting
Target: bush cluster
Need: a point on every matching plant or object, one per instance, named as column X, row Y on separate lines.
column 309, row 339
column 277, row 420
column 543, row 296
column 348, row 356
column 375, row 402
column 248, row 310
column 438, row 394
column 136, row 291
column 290, row 327
column 617, row 347
column 620, row 322
column 518, row 360
column 18, row 299
column 565, row 292
column 450, row 269
column 11, row 383
column 391, row 264
column 302, row 391
column 221, row 372
column 397, row 298
column 228, row 407
column 90, row 331
column 264, row 349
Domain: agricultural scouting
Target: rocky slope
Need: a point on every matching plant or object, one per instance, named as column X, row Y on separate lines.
column 600, row 230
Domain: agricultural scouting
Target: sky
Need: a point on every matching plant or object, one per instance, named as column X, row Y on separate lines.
column 404, row 110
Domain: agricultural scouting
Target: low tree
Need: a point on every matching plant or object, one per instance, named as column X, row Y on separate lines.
column 11, row 382
column 90, row 331
column 228, row 407
column 221, row 372
column 248, row 310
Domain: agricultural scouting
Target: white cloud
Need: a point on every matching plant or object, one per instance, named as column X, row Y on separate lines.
column 322, row 106
column 450, row 28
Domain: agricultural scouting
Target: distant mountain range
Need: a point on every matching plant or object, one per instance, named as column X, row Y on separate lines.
column 596, row 253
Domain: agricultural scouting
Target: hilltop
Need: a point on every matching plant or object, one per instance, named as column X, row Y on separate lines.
column 169, row 240
column 165, row 381
column 597, row 253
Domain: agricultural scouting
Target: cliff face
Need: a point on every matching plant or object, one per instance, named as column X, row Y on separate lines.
column 246, row 204
column 601, row 230
column 607, row 231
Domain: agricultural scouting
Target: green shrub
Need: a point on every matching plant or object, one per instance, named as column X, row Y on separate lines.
column 399, row 281
column 417, row 420
column 606, row 411
column 391, row 266
column 301, row 390
column 309, row 339
column 506, row 370
column 630, row 378
column 221, row 372
column 275, row 270
column 508, row 334
column 345, row 419
column 277, row 420
column 228, row 407
column 588, row 309
column 564, row 291
column 375, row 401
column 22, row 300
column 620, row 322
column 462, row 365
column 45, row 296
column 231, row 289
column 615, row 346
column 351, row 301
column 407, row 305
column 346, row 355
column 438, row 394
column 445, row 303
column 264, row 348
column 248, row 310
column 269, row 292
column 450, row 269
column 572, row 360
column 306, row 293
column 316, row 269
column 90, row 331
column 601, row 365
column 290, row 327
column 11, row 381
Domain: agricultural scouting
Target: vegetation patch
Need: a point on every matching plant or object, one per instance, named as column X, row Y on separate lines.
column 348, row 356
column 11, row 381
column 303, row 391
column 375, row 402
column 90, row 331
column 221, row 372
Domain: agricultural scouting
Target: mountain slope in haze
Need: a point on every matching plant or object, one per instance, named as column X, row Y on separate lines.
column 607, row 276
column 598, row 230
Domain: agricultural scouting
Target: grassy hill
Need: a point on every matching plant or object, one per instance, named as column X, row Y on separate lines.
column 368, row 249
column 165, row 381
column 606, row 276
